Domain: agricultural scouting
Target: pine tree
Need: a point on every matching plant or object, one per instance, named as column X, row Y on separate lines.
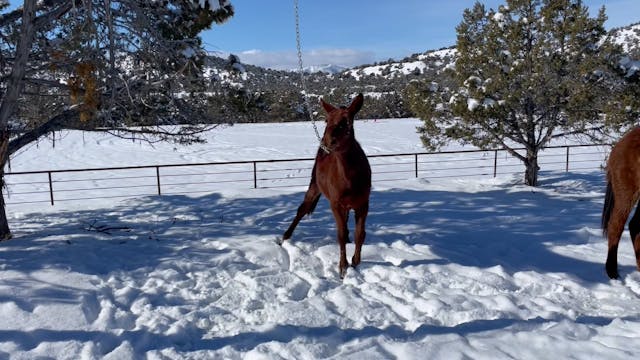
column 623, row 106
column 102, row 65
column 525, row 73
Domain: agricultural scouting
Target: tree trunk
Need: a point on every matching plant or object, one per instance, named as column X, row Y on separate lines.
column 23, row 48
column 5, row 232
column 10, row 97
column 531, row 167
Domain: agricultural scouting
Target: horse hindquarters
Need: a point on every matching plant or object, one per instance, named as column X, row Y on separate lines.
column 618, row 204
column 623, row 191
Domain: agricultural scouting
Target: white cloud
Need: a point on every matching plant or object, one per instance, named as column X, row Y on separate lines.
column 288, row 60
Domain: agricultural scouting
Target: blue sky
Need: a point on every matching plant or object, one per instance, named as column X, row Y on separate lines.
column 355, row 32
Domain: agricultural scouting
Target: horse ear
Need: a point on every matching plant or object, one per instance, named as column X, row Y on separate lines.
column 327, row 107
column 356, row 104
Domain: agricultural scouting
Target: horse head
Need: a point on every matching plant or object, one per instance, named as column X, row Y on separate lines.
column 339, row 127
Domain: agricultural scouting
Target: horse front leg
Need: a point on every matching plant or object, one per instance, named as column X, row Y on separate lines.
column 360, row 233
column 340, row 215
column 311, row 198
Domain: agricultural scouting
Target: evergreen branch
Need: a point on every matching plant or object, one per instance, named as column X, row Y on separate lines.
column 58, row 122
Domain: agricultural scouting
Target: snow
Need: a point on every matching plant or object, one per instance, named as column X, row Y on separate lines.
column 472, row 104
column 368, row 71
column 488, row 103
column 480, row 268
column 377, row 94
column 395, row 69
column 443, row 53
column 499, row 18
column 402, row 68
column 628, row 37
column 213, row 5
column 632, row 67
column 233, row 79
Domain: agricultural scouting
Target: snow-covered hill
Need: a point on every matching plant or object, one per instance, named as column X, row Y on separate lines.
column 270, row 95
column 416, row 64
column 629, row 38
column 324, row 68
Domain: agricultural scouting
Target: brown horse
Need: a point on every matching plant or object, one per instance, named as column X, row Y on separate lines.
column 341, row 173
column 623, row 191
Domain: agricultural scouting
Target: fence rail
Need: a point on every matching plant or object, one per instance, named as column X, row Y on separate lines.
column 52, row 186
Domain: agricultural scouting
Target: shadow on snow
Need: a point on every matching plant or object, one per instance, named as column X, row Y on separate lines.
column 513, row 229
column 143, row 341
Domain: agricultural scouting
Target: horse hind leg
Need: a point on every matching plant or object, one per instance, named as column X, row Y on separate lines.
column 634, row 231
column 360, row 233
column 340, row 216
column 309, row 203
column 346, row 220
column 620, row 209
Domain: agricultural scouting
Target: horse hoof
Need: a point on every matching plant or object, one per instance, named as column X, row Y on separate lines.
column 613, row 273
column 278, row 240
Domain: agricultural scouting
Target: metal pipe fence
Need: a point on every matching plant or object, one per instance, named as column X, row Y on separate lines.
column 52, row 186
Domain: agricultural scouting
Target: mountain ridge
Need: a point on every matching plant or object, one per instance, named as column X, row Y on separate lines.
column 257, row 94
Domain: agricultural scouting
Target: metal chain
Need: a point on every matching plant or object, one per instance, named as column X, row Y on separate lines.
column 302, row 81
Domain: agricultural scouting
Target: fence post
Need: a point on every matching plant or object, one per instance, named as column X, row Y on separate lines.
column 50, row 187
column 495, row 163
column 416, row 163
column 566, row 169
column 255, row 176
column 158, row 179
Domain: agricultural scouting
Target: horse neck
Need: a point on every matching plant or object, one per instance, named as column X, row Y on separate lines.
column 348, row 148
column 348, row 143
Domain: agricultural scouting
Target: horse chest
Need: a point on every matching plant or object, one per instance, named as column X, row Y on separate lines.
column 342, row 180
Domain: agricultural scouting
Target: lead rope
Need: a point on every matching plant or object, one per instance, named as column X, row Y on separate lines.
column 302, row 82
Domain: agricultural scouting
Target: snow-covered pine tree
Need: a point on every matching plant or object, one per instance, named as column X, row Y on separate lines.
column 525, row 73
column 623, row 107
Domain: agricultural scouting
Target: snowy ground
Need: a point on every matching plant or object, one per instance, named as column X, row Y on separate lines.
column 473, row 268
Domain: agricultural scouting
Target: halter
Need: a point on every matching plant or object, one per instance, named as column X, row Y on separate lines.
column 302, row 81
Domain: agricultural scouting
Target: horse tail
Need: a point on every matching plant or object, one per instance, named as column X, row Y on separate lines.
column 608, row 207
